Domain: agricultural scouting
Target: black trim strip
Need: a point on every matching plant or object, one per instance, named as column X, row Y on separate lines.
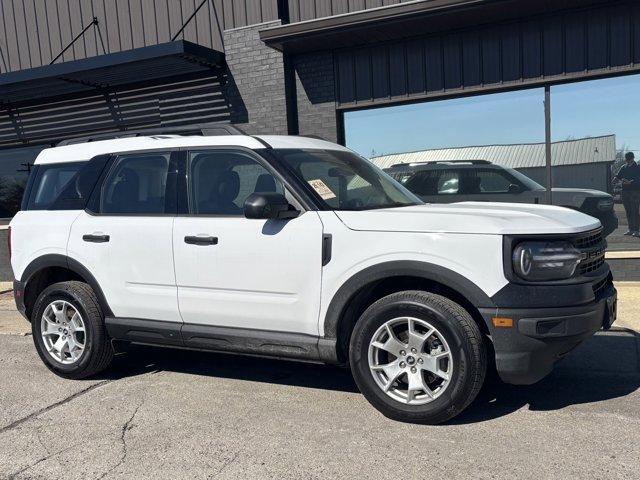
column 222, row 339
column 53, row 260
column 327, row 242
column 266, row 145
column 427, row 271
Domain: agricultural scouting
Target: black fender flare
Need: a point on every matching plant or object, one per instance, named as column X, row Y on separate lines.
column 403, row 268
column 63, row 261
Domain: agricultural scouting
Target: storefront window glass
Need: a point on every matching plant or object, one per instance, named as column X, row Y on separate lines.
column 594, row 125
column 14, row 168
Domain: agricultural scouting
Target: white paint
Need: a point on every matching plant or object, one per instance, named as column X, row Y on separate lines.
column 473, row 218
column 477, row 257
column 88, row 150
column 134, row 268
column 267, row 275
column 261, row 274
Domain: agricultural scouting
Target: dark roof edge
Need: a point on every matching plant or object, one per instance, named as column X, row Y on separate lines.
column 177, row 47
column 274, row 36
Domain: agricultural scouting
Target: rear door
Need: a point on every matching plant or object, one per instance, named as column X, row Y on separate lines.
column 125, row 238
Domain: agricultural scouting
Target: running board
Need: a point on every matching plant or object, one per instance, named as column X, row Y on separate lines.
column 223, row 339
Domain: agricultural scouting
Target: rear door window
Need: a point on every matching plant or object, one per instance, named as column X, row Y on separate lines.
column 137, row 185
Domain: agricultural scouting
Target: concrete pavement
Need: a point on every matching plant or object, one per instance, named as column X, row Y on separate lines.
column 166, row 413
column 169, row 413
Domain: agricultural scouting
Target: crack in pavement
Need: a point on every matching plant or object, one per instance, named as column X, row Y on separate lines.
column 37, row 413
column 227, row 463
column 123, row 440
column 37, row 462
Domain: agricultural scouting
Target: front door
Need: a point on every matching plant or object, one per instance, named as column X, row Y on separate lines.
column 241, row 273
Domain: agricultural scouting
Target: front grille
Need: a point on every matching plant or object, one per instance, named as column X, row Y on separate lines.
column 593, row 246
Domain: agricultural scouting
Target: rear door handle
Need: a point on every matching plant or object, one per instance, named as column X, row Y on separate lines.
column 96, row 238
column 198, row 240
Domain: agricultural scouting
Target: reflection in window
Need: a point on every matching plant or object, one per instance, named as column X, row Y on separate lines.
column 220, row 182
column 598, row 122
column 14, row 167
column 49, row 182
column 137, row 185
column 496, row 119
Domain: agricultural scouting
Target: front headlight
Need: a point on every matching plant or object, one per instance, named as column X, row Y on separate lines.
column 605, row 204
column 541, row 261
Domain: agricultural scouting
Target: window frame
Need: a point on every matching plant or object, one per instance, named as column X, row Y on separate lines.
column 31, row 186
column 184, row 200
column 504, row 173
column 94, row 205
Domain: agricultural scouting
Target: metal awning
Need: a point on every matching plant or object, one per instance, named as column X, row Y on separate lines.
column 403, row 20
column 104, row 71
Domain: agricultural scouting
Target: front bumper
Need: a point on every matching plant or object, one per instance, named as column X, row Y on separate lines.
column 527, row 352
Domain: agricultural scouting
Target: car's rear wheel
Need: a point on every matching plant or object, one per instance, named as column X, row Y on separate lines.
column 68, row 330
column 418, row 357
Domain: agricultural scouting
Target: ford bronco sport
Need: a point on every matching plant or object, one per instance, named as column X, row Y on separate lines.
column 298, row 248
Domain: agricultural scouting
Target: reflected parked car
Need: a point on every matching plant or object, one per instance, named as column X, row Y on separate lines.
column 482, row 181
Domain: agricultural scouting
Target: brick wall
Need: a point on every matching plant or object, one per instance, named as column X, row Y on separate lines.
column 255, row 82
column 315, row 91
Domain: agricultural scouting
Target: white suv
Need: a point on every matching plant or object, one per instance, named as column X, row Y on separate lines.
column 296, row 247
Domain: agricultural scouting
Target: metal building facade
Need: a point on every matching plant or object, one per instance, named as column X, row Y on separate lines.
column 289, row 66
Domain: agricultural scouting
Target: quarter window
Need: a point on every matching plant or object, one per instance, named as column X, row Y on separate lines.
column 136, row 185
column 50, row 181
column 220, row 181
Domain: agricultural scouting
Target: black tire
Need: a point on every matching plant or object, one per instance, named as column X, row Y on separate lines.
column 460, row 332
column 98, row 351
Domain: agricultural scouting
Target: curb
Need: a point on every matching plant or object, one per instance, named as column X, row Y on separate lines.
column 613, row 255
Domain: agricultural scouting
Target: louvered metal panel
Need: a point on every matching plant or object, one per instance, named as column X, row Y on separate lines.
column 183, row 100
column 574, row 44
column 33, row 33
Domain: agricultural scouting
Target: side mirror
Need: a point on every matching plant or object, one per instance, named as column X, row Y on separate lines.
column 513, row 188
column 268, row 205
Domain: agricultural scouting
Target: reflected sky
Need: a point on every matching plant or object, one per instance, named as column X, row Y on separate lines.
column 594, row 108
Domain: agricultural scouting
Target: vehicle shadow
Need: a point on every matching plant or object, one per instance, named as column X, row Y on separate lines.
column 605, row 367
column 240, row 367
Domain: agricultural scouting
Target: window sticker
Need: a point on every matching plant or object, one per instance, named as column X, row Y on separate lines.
column 321, row 189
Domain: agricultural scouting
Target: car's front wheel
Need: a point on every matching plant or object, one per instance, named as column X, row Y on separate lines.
column 68, row 330
column 418, row 357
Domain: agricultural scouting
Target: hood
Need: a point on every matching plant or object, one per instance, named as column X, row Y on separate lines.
column 575, row 196
column 471, row 217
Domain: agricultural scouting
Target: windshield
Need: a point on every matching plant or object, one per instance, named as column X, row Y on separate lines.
column 530, row 184
column 342, row 180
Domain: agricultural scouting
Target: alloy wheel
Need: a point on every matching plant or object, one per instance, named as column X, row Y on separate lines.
column 63, row 332
column 410, row 360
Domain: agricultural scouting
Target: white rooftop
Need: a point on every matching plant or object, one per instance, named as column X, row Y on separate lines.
column 85, row 151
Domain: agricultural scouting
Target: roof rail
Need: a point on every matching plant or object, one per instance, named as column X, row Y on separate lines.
column 204, row 129
column 443, row 162
column 472, row 162
column 315, row 137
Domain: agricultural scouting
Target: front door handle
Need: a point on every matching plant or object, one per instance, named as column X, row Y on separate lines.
column 96, row 238
column 197, row 240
